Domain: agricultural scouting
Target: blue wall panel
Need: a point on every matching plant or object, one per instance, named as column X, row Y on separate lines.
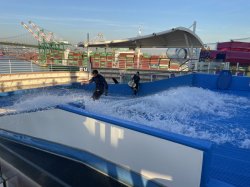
column 144, row 88
column 206, row 81
column 240, row 83
column 210, row 82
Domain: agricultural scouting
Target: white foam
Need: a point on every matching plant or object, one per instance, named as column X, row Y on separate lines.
column 190, row 111
column 194, row 112
column 245, row 144
column 45, row 99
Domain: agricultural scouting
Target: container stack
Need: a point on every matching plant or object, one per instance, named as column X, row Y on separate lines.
column 145, row 62
column 154, row 62
column 95, row 59
column 85, row 59
column 122, row 60
column 103, row 60
column 164, row 63
column 110, row 60
column 130, row 63
column 174, row 66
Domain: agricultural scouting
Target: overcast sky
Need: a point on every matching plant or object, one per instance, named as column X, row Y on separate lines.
column 217, row 20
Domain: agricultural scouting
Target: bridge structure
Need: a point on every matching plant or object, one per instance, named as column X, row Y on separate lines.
column 21, row 46
column 21, row 40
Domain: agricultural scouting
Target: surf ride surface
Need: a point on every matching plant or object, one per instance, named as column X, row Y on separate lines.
column 192, row 105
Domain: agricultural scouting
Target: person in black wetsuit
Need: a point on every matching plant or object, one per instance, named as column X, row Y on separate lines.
column 101, row 85
column 136, row 78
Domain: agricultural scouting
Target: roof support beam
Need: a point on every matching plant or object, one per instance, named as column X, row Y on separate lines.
column 174, row 38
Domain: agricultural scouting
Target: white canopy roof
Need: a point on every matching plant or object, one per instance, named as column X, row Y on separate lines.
column 179, row 37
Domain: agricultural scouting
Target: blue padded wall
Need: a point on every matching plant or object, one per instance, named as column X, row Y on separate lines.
column 144, row 88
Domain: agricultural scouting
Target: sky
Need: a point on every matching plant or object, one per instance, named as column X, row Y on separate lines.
column 217, row 20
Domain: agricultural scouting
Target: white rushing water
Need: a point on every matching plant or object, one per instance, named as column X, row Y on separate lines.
column 194, row 112
column 190, row 111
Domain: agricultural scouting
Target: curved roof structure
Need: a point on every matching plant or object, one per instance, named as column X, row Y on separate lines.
column 179, row 37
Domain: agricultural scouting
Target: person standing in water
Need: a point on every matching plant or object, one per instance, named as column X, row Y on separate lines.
column 101, row 85
column 136, row 79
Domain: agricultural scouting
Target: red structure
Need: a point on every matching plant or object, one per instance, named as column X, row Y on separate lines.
column 233, row 52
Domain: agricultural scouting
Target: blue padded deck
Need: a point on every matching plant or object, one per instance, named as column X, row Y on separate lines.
column 231, row 165
column 217, row 183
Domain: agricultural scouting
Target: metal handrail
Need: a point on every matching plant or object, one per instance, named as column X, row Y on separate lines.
column 10, row 66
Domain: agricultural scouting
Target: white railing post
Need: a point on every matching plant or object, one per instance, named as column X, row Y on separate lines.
column 227, row 66
column 208, row 67
column 10, row 66
column 31, row 66
column 237, row 66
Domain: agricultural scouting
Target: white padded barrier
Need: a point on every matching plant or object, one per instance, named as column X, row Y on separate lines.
column 167, row 162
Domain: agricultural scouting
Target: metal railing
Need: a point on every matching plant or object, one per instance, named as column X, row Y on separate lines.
column 212, row 67
column 10, row 66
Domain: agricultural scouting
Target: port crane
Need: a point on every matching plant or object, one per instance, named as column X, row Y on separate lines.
column 47, row 43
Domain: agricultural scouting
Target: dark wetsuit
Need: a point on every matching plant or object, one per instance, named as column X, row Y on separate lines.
column 136, row 80
column 101, row 86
